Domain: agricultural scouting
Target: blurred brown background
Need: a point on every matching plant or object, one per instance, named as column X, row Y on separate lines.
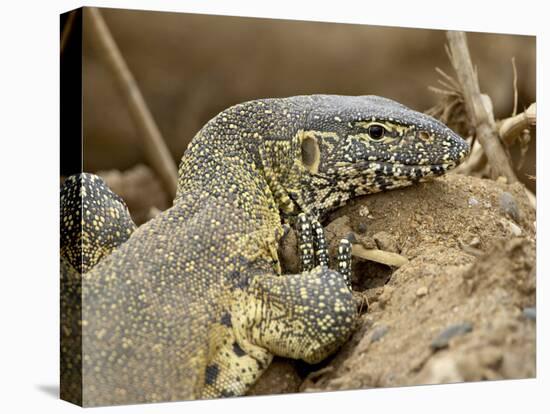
column 190, row 67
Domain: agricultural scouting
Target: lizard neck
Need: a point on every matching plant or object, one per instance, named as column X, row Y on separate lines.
column 250, row 148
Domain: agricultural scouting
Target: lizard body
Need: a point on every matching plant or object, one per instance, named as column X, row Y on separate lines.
column 192, row 304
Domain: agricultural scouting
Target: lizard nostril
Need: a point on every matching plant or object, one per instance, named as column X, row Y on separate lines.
column 424, row 136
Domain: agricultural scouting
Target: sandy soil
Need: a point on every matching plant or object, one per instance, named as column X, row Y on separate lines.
column 461, row 308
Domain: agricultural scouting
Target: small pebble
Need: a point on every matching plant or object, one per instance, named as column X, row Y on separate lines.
column 364, row 211
column 509, row 206
column 351, row 237
column 442, row 340
column 361, row 228
column 475, row 242
column 530, row 313
column 515, row 230
column 378, row 333
column 385, row 241
column 422, row 291
column 512, row 227
column 472, row 202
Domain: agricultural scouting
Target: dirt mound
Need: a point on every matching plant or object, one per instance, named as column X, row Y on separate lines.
column 460, row 309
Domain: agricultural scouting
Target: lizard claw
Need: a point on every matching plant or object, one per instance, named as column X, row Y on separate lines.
column 313, row 248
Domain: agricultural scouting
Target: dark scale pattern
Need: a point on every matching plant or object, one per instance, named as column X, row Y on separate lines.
column 212, row 372
column 320, row 242
column 94, row 221
column 344, row 261
column 193, row 305
column 305, row 244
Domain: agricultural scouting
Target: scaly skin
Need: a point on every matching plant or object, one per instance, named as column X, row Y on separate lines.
column 193, row 304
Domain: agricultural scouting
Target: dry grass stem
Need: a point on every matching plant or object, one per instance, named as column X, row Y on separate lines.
column 515, row 86
column 156, row 151
column 379, row 256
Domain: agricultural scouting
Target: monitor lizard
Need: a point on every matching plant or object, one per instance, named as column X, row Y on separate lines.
column 192, row 304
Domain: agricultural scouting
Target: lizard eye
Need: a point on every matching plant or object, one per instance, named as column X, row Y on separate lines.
column 376, row 132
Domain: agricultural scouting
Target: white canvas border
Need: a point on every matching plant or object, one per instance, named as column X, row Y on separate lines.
column 29, row 209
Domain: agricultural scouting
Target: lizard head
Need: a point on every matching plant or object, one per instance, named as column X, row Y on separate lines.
column 350, row 146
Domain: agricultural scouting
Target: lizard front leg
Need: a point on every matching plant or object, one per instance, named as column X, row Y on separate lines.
column 301, row 316
column 304, row 316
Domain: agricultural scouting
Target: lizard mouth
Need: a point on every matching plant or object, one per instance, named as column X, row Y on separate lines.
column 396, row 169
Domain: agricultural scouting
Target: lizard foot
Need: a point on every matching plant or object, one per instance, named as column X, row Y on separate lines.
column 302, row 316
column 313, row 250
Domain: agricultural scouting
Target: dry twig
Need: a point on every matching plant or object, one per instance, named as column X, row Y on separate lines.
column 450, row 110
column 477, row 107
column 511, row 128
column 515, row 86
column 379, row 256
column 156, row 150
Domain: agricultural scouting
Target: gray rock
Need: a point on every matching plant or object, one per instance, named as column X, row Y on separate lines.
column 442, row 340
column 362, row 228
column 509, row 206
column 530, row 313
column 351, row 237
column 378, row 333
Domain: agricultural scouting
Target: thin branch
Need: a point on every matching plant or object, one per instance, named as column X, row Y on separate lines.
column 379, row 256
column 510, row 128
column 453, row 106
column 446, row 85
column 443, row 91
column 156, row 151
column 515, row 85
column 449, row 78
column 476, row 107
